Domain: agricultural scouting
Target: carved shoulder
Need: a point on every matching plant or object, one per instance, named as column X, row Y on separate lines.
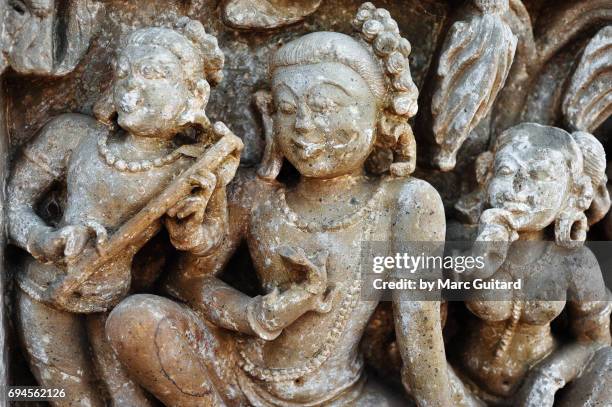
column 583, row 273
column 418, row 210
column 54, row 143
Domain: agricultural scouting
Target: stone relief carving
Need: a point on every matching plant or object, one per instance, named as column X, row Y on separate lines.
column 47, row 37
column 146, row 268
column 330, row 98
column 588, row 102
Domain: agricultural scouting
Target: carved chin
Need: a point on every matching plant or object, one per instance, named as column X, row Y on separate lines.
column 131, row 122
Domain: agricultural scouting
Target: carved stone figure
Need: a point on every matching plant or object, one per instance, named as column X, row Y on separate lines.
column 35, row 40
column 335, row 99
column 119, row 182
column 542, row 184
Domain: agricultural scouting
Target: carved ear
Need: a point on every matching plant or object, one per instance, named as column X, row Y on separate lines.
column 571, row 228
column 484, row 167
column 104, row 109
column 196, row 109
column 272, row 160
column 583, row 193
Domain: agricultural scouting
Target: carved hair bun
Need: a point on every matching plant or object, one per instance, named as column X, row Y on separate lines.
column 213, row 58
column 594, row 156
column 377, row 28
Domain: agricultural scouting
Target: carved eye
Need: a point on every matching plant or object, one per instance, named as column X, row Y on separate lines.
column 148, row 72
column 286, row 107
column 504, row 170
column 322, row 104
column 121, row 68
column 154, row 72
column 540, row 174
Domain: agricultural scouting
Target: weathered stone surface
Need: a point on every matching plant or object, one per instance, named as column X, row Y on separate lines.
column 475, row 120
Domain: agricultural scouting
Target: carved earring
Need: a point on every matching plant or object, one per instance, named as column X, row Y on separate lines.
column 195, row 111
column 272, row 160
column 571, row 229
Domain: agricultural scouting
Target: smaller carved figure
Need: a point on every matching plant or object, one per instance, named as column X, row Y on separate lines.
column 541, row 186
column 158, row 97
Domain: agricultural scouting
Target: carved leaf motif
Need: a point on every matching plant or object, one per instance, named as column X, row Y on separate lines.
column 267, row 14
column 588, row 101
column 82, row 25
column 475, row 62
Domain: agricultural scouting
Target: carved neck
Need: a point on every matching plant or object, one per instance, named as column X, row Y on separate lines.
column 148, row 143
column 526, row 236
column 313, row 188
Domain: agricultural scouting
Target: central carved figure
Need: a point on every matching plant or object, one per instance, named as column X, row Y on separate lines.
column 339, row 102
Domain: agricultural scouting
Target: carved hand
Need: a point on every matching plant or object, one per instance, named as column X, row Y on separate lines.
column 48, row 245
column 195, row 204
column 552, row 373
column 275, row 311
column 315, row 269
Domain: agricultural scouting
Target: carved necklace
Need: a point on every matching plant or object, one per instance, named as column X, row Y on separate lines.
column 340, row 223
column 133, row 166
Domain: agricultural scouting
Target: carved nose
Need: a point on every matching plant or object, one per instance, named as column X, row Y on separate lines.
column 518, row 182
column 303, row 120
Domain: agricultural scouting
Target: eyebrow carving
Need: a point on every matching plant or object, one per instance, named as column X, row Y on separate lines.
column 332, row 83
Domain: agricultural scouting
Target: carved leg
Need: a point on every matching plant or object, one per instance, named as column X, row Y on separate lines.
column 594, row 386
column 122, row 390
column 174, row 355
column 55, row 343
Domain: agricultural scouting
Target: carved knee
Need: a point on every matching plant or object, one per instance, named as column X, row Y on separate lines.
column 132, row 324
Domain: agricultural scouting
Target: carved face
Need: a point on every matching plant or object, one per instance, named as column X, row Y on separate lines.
column 150, row 91
column 530, row 182
column 325, row 118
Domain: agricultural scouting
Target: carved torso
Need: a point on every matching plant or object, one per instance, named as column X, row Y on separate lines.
column 333, row 334
column 554, row 275
column 96, row 192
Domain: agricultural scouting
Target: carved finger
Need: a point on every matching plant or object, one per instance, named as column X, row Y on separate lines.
column 99, row 231
column 221, row 129
column 76, row 239
column 324, row 305
column 294, row 256
column 176, row 208
column 55, row 247
column 227, row 170
column 192, row 206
